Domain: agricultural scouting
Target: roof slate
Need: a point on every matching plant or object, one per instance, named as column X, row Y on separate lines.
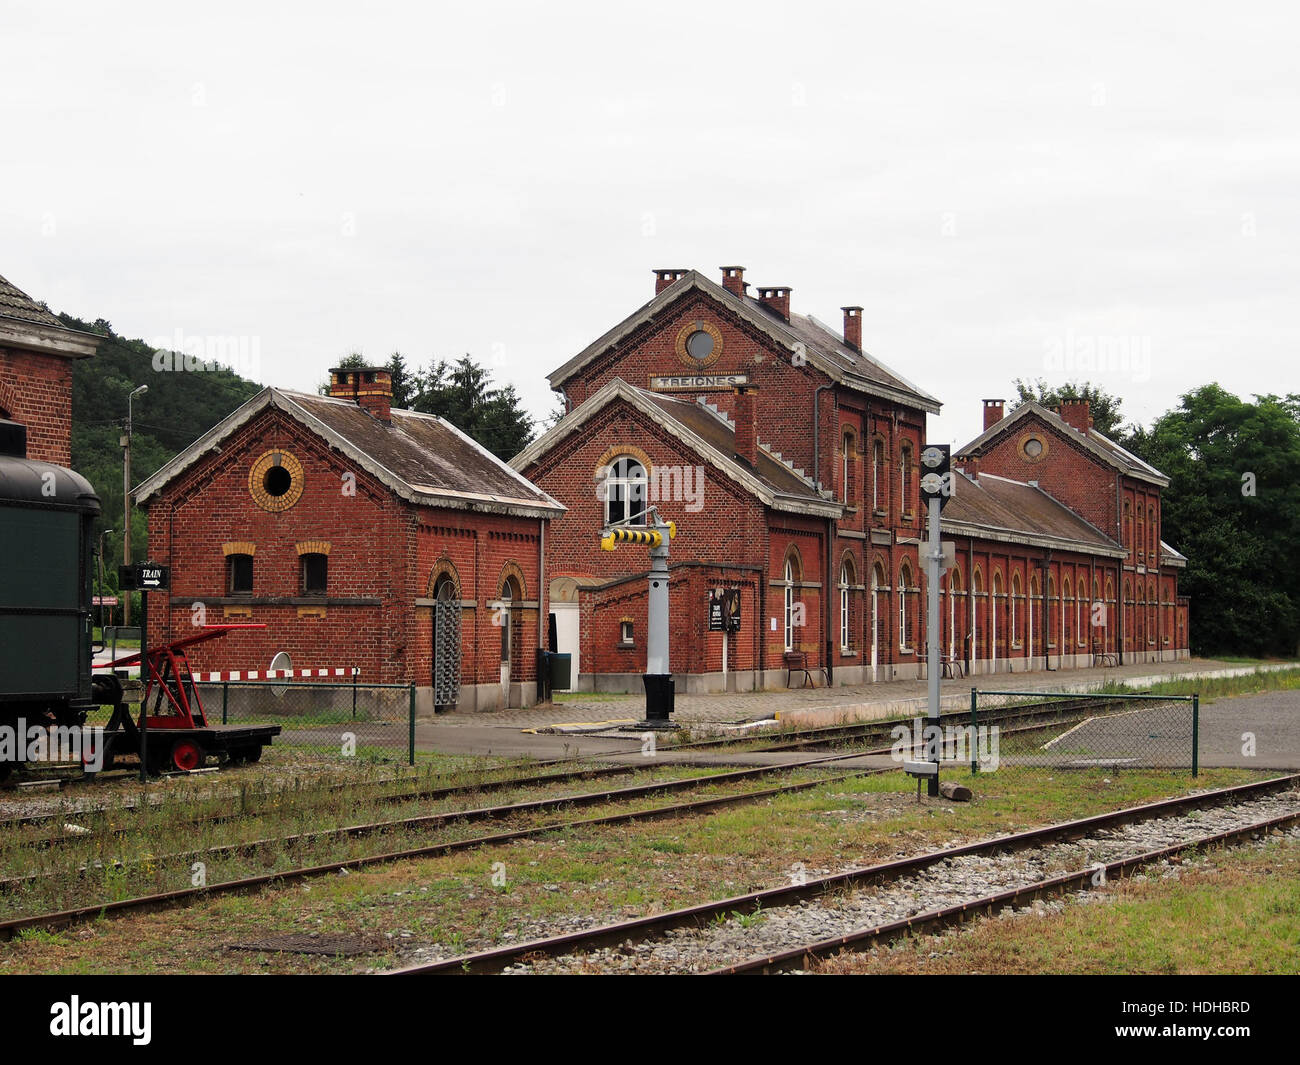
column 997, row 503
column 15, row 303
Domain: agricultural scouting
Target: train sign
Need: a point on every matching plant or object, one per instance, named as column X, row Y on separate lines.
column 144, row 576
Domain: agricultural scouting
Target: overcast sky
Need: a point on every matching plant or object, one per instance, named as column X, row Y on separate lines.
column 1105, row 191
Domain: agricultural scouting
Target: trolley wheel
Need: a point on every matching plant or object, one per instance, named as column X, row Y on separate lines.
column 5, row 769
column 249, row 754
column 186, row 755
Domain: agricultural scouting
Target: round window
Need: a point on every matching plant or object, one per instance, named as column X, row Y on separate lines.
column 1033, row 447
column 276, row 480
column 699, row 345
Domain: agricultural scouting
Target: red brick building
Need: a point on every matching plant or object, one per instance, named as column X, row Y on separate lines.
column 36, row 356
column 788, row 457
column 363, row 536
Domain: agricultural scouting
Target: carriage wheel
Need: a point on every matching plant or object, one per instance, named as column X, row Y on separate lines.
column 186, row 755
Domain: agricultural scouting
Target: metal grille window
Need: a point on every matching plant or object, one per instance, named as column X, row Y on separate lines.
column 313, row 574
column 239, row 574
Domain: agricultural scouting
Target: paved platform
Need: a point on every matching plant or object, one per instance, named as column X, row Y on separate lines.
column 789, row 704
column 1273, row 718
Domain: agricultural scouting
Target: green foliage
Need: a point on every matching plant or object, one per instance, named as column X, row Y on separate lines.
column 178, row 408
column 1232, row 509
column 1103, row 408
column 462, row 393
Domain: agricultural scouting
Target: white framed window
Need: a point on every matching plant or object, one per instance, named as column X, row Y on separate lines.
column 789, row 605
column 904, row 588
column 846, row 633
column 625, row 491
column 877, row 476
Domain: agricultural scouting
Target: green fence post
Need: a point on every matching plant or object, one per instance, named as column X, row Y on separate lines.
column 1196, row 734
column 225, row 701
column 974, row 731
column 412, row 723
column 354, row 694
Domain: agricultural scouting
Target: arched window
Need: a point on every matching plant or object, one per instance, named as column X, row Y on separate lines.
column 1141, row 536
column 1128, row 525
column 793, row 608
column 1015, row 610
column 1151, row 612
column 905, row 503
column 954, row 589
column 846, row 468
column 846, row 627
column 1151, row 532
column 878, row 475
column 1047, row 609
column 993, row 616
column 1032, row 617
column 1065, row 617
column 625, row 491
column 904, row 589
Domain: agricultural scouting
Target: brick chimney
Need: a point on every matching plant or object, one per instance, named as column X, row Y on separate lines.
column 733, row 280
column 746, row 428
column 776, row 299
column 853, row 327
column 971, row 465
column 368, row 386
column 993, row 412
column 664, row 278
column 1075, row 415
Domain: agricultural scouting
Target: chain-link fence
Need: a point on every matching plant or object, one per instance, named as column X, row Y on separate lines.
column 1044, row 731
column 348, row 720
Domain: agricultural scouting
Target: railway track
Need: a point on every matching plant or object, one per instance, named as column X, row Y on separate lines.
column 1044, row 714
column 62, row 918
column 703, row 935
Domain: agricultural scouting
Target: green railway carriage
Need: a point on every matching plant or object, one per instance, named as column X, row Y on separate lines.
column 46, row 514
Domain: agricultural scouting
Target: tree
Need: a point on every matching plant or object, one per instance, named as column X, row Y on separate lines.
column 1232, row 509
column 462, row 393
column 1102, row 406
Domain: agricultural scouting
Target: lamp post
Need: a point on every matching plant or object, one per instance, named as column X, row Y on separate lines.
column 126, row 497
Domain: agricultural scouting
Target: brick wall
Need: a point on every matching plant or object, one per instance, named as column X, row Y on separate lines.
column 381, row 550
column 37, row 391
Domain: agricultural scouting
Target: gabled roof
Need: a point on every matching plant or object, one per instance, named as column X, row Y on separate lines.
column 996, row 508
column 25, row 323
column 1102, row 447
column 704, row 431
column 822, row 347
column 422, row 458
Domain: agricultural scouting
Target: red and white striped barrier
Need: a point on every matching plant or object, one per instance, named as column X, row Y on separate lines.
column 272, row 674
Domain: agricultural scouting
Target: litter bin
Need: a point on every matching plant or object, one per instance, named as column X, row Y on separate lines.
column 561, row 671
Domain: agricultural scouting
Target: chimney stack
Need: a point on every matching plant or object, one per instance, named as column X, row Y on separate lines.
column 853, row 327
column 370, row 387
column 993, row 412
column 664, row 278
column 746, row 427
column 733, row 280
column 1075, row 415
column 776, row 298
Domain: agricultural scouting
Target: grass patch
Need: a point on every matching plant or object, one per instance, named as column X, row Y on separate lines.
column 1238, row 912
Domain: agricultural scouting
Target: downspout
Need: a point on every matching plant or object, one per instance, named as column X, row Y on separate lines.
column 826, row 569
column 1047, row 612
column 543, row 618
column 970, row 591
column 1119, row 578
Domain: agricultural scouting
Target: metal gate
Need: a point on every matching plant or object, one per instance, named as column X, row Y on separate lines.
column 446, row 652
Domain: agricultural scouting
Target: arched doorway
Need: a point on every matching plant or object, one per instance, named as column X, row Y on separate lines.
column 446, row 643
column 877, row 583
column 510, row 594
column 565, row 610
